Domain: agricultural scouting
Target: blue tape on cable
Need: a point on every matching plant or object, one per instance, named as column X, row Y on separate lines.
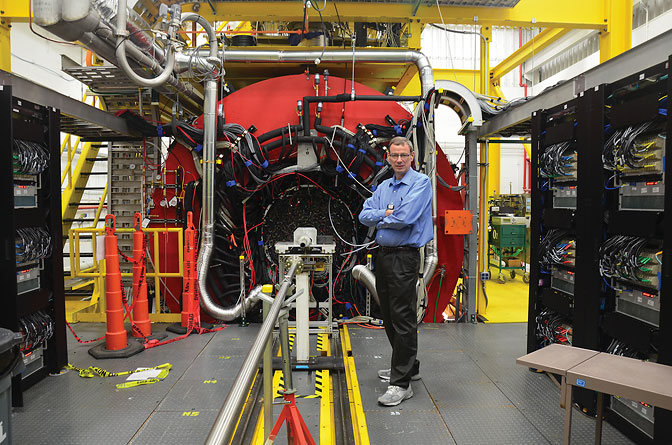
column 361, row 150
column 198, row 148
column 265, row 164
column 260, row 243
column 348, row 306
column 248, row 163
column 419, row 125
column 375, row 133
column 374, row 187
column 351, row 146
column 379, row 164
column 159, row 130
column 231, row 183
column 576, row 124
column 397, row 129
column 543, row 132
column 662, row 111
column 339, row 169
column 352, row 175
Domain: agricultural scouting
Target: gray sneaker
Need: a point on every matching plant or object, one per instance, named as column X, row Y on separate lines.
column 384, row 375
column 395, row 395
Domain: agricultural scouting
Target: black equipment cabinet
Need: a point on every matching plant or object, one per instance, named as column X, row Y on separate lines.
column 32, row 282
column 616, row 134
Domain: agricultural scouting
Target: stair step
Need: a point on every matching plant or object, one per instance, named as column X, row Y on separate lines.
column 71, row 220
column 93, row 173
column 90, row 188
column 77, row 204
column 96, row 159
column 81, row 254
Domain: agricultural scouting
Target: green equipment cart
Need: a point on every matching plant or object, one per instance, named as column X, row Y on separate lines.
column 507, row 242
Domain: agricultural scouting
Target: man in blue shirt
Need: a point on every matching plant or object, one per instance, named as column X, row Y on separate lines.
column 401, row 211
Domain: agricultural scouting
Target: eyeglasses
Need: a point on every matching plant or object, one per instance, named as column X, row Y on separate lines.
column 403, row 156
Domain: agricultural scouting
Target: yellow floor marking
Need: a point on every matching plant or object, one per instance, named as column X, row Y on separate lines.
column 356, row 409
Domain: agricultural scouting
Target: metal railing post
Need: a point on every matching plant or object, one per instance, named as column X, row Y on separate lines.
column 224, row 427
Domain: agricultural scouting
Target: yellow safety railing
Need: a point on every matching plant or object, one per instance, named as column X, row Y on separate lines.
column 97, row 270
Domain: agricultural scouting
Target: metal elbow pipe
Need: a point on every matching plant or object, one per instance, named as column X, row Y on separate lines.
column 120, row 53
column 364, row 274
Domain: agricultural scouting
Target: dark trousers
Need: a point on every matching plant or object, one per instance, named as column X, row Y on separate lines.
column 396, row 277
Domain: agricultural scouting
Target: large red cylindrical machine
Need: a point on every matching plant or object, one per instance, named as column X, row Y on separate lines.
column 251, row 214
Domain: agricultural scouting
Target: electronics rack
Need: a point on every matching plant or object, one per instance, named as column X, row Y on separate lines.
column 31, row 262
column 619, row 304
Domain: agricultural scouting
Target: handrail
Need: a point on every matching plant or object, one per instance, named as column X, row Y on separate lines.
column 99, row 210
column 97, row 270
column 224, row 427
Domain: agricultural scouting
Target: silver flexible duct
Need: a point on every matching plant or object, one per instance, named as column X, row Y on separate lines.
column 362, row 273
column 122, row 41
column 207, row 209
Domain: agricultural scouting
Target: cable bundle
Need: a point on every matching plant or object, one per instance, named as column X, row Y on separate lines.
column 618, row 347
column 32, row 244
column 623, row 150
column 621, row 258
column 30, row 158
column 36, row 329
column 556, row 159
column 552, row 328
column 554, row 250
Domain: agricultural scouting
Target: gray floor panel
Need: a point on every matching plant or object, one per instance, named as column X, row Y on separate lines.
column 466, row 394
column 491, row 425
column 471, row 392
column 407, row 427
column 172, row 427
column 196, row 395
column 63, row 424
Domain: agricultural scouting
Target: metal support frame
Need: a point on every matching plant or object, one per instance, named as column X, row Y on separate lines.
column 651, row 52
column 470, row 266
column 105, row 124
column 616, row 37
column 540, row 41
column 525, row 13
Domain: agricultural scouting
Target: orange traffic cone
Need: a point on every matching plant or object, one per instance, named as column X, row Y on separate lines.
column 140, row 304
column 116, row 344
column 191, row 311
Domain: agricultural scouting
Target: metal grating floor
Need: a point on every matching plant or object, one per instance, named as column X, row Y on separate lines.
column 471, row 392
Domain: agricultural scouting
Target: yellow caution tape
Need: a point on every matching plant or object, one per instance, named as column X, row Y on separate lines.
column 93, row 371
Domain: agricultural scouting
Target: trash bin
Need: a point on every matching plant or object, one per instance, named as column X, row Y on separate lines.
column 10, row 363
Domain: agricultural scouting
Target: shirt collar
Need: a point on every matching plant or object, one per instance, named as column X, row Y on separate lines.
column 405, row 180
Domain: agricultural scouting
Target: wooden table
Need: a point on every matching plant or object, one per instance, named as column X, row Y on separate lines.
column 604, row 373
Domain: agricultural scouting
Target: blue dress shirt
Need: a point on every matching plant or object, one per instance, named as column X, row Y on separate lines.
column 411, row 222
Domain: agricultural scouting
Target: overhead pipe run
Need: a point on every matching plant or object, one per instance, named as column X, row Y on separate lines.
column 122, row 41
column 90, row 23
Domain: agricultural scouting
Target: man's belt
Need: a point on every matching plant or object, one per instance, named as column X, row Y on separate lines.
column 398, row 248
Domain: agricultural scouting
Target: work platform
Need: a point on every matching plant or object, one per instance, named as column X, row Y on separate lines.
column 471, row 392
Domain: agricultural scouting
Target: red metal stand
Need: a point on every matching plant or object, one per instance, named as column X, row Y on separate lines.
column 296, row 427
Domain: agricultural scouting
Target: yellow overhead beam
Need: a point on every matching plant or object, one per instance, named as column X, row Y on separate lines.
column 616, row 36
column 16, row 10
column 5, row 47
column 541, row 41
column 540, row 13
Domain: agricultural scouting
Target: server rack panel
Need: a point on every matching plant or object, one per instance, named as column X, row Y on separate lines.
column 31, row 258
